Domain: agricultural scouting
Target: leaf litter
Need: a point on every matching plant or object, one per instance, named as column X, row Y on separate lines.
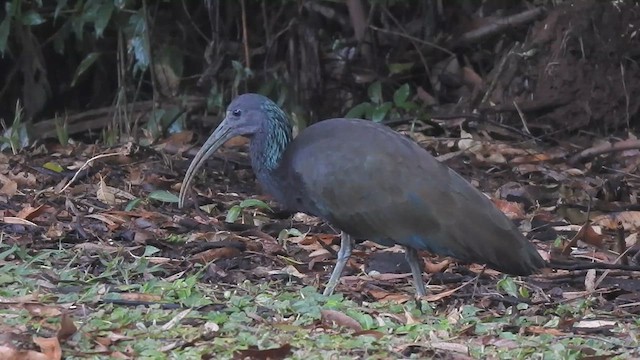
column 103, row 256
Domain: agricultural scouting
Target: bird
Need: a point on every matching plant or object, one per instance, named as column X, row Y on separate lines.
column 370, row 182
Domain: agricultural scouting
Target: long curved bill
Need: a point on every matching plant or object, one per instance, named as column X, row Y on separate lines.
column 222, row 133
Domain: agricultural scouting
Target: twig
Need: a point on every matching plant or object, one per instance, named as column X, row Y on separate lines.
column 626, row 96
column 498, row 26
column 399, row 25
column 75, row 176
column 245, row 36
column 522, row 118
column 413, row 38
column 587, row 266
column 498, row 72
column 580, row 234
column 631, row 144
column 622, row 246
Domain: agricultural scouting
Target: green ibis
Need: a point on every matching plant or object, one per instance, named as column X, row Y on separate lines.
column 373, row 183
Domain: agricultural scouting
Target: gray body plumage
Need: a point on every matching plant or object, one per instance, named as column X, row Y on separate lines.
column 374, row 183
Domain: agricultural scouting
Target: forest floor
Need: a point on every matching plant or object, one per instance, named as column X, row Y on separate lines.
column 97, row 260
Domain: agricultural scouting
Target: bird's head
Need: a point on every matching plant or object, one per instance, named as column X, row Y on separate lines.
column 247, row 115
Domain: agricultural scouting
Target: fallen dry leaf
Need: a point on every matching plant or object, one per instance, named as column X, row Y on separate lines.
column 105, row 193
column 538, row 330
column 9, row 353
column 433, row 268
column 385, row 296
column 50, row 347
column 215, row 254
column 267, row 354
column 30, row 212
column 630, row 220
column 9, row 188
column 17, row 221
column 43, row 310
column 67, row 327
column 513, row 210
column 334, row 317
column 595, row 324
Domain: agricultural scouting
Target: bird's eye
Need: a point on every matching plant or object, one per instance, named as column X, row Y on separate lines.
column 236, row 112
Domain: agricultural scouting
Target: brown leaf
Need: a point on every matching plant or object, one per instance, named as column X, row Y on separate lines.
column 254, row 353
column 25, row 180
column 334, row 317
column 215, row 254
column 590, row 280
column 136, row 176
column 236, row 142
column 49, row 347
column 444, row 294
column 180, row 139
column 105, row 193
column 374, row 333
column 10, row 353
column 595, row 324
column 17, row 221
column 382, row 296
column 9, row 188
column 513, row 210
column 140, row 297
column 432, row 268
column 472, row 78
column 427, row 98
column 538, row 330
column 588, row 235
column 42, row 310
column 630, row 220
column 30, row 212
column 67, row 327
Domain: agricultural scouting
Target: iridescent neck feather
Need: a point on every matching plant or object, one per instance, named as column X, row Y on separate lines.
column 269, row 144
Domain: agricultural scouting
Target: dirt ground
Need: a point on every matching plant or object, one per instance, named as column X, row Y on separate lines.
column 578, row 69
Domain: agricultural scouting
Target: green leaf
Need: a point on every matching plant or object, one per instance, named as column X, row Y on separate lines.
column 254, row 203
column 208, row 208
column 61, row 5
column 178, row 124
column 55, row 167
column 285, row 233
column 137, row 43
column 150, row 250
column 5, row 29
column 375, row 92
column 401, row 95
column 133, row 204
column 380, row 112
column 11, row 7
column 84, row 66
column 173, row 57
column 398, row 68
column 359, row 111
column 509, row 286
column 164, row 196
column 103, row 15
column 233, row 214
column 237, row 66
column 32, row 18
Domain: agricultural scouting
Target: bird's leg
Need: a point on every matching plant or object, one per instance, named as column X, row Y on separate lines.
column 416, row 270
column 346, row 244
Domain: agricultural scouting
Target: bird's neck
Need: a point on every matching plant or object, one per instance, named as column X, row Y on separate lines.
column 267, row 148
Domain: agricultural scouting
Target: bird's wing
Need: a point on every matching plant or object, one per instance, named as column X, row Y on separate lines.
column 390, row 189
